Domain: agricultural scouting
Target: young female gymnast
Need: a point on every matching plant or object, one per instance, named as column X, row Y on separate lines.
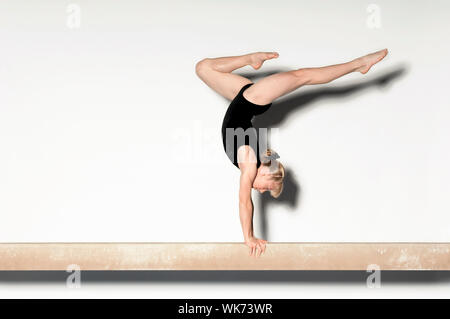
column 260, row 168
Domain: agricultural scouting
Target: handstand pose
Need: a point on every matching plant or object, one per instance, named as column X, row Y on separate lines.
column 261, row 170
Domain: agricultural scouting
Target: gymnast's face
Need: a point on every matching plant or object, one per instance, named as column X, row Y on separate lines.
column 263, row 181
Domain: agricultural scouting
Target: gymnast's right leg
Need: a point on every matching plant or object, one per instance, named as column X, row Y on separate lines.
column 274, row 86
column 216, row 72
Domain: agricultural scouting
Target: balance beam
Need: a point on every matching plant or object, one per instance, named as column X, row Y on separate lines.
column 224, row 256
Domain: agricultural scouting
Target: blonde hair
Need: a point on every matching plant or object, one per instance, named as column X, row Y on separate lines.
column 277, row 172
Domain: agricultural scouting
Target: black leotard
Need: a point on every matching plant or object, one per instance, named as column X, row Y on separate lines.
column 239, row 115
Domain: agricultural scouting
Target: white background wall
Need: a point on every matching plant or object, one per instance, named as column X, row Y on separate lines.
column 106, row 134
column 81, row 111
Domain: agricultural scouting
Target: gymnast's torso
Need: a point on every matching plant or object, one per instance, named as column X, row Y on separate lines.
column 238, row 119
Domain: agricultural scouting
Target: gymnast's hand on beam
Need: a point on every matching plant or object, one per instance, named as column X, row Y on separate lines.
column 257, row 246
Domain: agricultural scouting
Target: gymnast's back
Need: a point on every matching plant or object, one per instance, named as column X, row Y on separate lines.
column 237, row 127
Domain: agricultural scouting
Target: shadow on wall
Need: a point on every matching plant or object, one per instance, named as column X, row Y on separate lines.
column 296, row 102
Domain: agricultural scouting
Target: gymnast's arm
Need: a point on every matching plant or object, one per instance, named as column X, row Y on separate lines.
column 248, row 174
column 245, row 201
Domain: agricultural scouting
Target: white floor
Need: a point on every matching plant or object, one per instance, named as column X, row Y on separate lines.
column 306, row 289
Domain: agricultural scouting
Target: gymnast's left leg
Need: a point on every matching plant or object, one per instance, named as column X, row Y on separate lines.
column 274, row 86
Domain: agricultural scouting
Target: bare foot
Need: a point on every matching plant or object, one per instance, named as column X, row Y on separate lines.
column 369, row 60
column 258, row 58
